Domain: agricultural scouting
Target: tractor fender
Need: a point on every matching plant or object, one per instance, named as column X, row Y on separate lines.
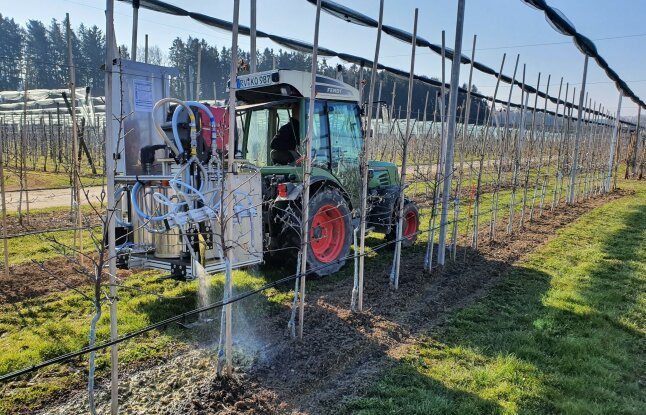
column 318, row 182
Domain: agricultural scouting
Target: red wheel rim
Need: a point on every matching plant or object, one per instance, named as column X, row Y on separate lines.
column 327, row 233
column 410, row 225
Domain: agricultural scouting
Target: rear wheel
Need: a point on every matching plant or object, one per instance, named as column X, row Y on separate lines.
column 330, row 232
column 410, row 225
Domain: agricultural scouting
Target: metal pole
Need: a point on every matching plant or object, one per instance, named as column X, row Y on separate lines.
column 198, row 81
column 75, row 144
column 577, row 135
column 394, row 278
column 135, row 26
column 613, row 143
column 4, row 212
column 425, row 110
column 253, row 37
column 450, row 138
column 517, row 153
column 364, row 160
column 24, row 187
column 307, row 170
column 228, row 343
column 109, row 168
column 146, row 48
column 392, row 104
column 633, row 163
column 465, row 125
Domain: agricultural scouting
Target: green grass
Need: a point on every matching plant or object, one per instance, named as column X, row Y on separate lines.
column 562, row 333
column 46, row 246
column 51, row 325
column 48, row 180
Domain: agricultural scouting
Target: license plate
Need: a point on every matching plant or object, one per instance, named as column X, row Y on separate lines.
column 254, row 80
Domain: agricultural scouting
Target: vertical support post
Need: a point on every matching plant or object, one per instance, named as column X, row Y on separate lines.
column 392, row 103
column 146, row 48
column 24, row 187
column 198, row 79
column 425, row 110
column 613, row 145
column 252, row 48
column 485, row 135
column 636, row 147
column 191, row 89
column 517, row 154
column 228, row 284
column 450, row 138
column 109, row 222
column 465, row 126
column 215, row 93
column 307, row 170
column 364, row 160
column 394, row 276
column 5, row 241
column 135, row 27
column 75, row 144
column 577, row 136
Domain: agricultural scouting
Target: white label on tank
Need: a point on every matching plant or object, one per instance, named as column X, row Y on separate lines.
column 143, row 95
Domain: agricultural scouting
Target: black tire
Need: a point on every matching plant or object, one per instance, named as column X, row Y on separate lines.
column 324, row 262
column 410, row 209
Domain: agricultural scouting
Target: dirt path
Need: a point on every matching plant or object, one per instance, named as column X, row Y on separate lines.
column 50, row 198
column 342, row 352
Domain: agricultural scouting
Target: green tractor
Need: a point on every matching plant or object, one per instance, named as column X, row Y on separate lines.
column 269, row 101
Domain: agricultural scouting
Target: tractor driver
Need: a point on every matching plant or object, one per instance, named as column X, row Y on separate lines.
column 284, row 145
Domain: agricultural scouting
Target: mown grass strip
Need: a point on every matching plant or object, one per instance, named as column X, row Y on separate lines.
column 563, row 332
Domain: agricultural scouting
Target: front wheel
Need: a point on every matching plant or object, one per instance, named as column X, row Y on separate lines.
column 330, row 232
column 410, row 229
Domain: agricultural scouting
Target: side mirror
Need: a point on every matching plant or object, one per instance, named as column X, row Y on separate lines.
column 371, row 174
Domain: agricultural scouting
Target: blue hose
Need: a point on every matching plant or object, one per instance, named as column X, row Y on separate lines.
column 178, row 111
column 140, row 213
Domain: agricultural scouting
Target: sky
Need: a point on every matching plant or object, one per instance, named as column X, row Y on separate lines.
column 501, row 26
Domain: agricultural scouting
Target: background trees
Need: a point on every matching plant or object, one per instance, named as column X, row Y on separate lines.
column 44, row 49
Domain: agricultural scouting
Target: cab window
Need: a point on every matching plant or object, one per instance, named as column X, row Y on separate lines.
column 345, row 133
column 320, row 136
column 257, row 137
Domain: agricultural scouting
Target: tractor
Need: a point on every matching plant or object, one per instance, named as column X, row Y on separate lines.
column 268, row 101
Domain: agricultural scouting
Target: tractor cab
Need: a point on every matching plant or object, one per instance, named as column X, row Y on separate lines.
column 276, row 101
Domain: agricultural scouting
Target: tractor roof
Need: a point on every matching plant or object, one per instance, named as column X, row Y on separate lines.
column 280, row 84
